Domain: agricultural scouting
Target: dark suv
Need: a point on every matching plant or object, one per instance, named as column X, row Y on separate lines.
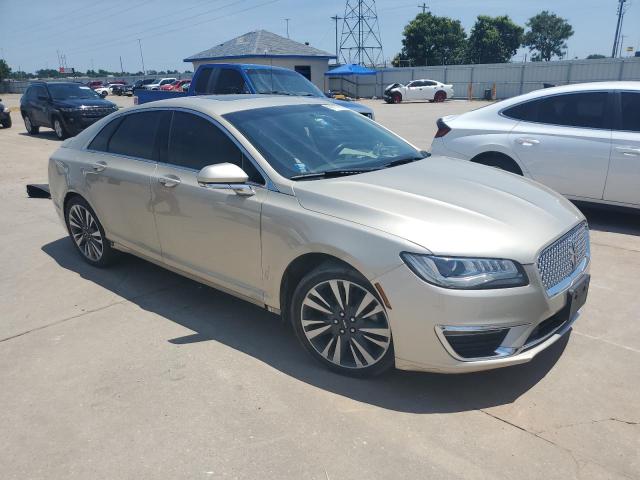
column 67, row 107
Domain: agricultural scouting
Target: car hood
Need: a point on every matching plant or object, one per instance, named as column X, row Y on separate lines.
column 355, row 106
column 83, row 102
column 449, row 207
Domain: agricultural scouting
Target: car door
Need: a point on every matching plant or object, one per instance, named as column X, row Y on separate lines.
column 429, row 89
column 211, row 233
column 623, row 181
column 564, row 141
column 121, row 165
column 414, row 90
column 39, row 106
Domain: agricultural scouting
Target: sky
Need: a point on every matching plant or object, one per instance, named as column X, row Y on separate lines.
column 95, row 34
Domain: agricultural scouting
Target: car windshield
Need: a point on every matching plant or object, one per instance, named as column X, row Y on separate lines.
column 284, row 82
column 312, row 141
column 66, row 91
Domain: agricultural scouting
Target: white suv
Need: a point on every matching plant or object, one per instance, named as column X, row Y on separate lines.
column 159, row 83
column 581, row 140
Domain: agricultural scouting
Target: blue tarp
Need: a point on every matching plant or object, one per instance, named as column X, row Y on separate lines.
column 350, row 69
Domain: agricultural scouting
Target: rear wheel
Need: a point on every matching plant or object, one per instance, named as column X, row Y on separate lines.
column 440, row 97
column 30, row 127
column 340, row 320
column 87, row 233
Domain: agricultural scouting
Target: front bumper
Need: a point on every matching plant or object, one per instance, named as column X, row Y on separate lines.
column 76, row 121
column 518, row 322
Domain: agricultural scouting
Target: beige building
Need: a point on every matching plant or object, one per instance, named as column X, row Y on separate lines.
column 266, row 48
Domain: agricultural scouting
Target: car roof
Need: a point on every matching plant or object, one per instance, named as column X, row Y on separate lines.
column 576, row 87
column 217, row 105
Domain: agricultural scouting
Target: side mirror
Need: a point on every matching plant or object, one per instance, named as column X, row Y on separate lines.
column 225, row 176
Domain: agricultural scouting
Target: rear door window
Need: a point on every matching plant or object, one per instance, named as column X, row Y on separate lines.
column 229, row 82
column 586, row 110
column 100, row 142
column 527, row 111
column 630, row 111
column 195, row 142
column 136, row 135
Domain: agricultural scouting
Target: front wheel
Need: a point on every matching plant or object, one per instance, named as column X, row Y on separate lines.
column 87, row 233
column 396, row 98
column 340, row 320
column 7, row 122
column 58, row 127
column 29, row 126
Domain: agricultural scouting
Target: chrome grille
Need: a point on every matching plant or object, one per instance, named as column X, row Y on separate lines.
column 91, row 112
column 560, row 259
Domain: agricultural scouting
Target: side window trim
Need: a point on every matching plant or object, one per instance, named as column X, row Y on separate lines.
column 267, row 181
column 609, row 115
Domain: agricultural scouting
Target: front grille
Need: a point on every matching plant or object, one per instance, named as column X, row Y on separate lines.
column 476, row 344
column 560, row 259
column 94, row 112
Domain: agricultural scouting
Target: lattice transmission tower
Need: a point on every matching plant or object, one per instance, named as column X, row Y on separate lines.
column 360, row 42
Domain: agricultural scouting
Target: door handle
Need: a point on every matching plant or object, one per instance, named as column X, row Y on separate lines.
column 99, row 167
column 169, row 181
column 527, row 142
column 628, row 151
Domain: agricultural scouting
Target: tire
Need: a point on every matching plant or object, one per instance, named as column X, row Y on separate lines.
column 396, row 97
column 440, row 96
column 29, row 126
column 7, row 123
column 501, row 162
column 59, row 129
column 86, row 233
column 335, row 336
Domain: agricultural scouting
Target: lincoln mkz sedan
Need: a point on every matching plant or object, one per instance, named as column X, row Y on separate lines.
column 378, row 254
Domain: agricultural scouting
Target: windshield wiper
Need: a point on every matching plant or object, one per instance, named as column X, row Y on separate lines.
column 403, row 160
column 276, row 92
column 333, row 173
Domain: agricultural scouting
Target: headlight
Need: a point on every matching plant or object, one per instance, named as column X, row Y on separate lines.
column 466, row 273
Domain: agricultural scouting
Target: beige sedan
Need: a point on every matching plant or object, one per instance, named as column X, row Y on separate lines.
column 378, row 254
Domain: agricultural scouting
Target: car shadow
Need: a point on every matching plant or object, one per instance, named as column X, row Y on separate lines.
column 42, row 135
column 605, row 218
column 215, row 316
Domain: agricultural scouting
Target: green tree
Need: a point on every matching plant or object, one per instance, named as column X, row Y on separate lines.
column 432, row 40
column 5, row 70
column 493, row 40
column 48, row 73
column 595, row 56
column 547, row 36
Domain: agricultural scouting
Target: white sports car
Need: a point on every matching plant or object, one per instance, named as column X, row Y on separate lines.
column 418, row 90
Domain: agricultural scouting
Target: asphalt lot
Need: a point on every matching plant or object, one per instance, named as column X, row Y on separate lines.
column 137, row 373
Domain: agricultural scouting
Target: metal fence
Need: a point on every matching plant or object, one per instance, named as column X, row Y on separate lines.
column 510, row 79
column 19, row 86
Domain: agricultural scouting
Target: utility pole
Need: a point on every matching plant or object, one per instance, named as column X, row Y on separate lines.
column 121, row 69
column 423, row 7
column 616, row 39
column 360, row 42
column 144, row 72
column 335, row 18
column 287, row 20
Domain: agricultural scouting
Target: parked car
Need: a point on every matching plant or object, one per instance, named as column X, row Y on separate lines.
column 175, row 86
column 158, row 84
column 185, row 86
column 107, row 89
column 66, row 107
column 94, row 84
column 140, row 84
column 377, row 254
column 418, row 90
column 582, row 140
column 245, row 78
column 5, row 115
column 122, row 89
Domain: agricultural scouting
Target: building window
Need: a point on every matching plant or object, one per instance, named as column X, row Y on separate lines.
column 304, row 70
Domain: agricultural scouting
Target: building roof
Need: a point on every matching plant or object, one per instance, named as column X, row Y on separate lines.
column 259, row 43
